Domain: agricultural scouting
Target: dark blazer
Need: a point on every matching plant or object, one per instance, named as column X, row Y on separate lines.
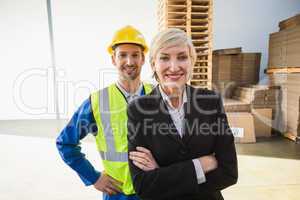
column 206, row 132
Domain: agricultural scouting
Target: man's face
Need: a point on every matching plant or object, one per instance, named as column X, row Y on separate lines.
column 128, row 58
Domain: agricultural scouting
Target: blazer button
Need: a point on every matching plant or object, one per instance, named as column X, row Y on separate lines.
column 183, row 151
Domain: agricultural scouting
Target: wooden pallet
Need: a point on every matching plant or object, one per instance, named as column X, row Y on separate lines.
column 273, row 70
column 292, row 137
column 195, row 18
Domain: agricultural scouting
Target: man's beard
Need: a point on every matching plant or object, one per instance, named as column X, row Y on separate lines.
column 130, row 72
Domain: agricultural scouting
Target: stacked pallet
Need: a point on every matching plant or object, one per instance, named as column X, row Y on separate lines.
column 284, row 71
column 233, row 68
column 195, row 18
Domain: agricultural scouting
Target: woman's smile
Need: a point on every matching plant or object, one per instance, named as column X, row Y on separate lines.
column 174, row 76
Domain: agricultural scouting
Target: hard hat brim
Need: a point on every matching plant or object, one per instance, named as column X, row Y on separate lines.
column 110, row 49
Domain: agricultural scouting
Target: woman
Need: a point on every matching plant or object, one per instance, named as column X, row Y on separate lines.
column 180, row 144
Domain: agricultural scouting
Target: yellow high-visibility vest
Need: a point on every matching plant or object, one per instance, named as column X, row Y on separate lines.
column 110, row 112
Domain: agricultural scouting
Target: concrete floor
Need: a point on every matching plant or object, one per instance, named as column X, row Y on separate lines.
column 31, row 168
column 268, row 169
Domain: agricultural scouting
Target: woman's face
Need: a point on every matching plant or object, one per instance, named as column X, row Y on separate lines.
column 173, row 66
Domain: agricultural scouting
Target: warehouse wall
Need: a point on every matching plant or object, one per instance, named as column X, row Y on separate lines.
column 247, row 24
column 82, row 30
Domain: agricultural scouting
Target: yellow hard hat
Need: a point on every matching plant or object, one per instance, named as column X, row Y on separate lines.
column 128, row 34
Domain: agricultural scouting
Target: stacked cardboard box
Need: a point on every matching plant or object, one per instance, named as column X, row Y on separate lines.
column 229, row 51
column 290, row 23
column 289, row 107
column 284, row 71
column 250, row 68
column 222, row 77
column 232, row 68
column 232, row 105
column 195, row 18
column 242, row 126
column 225, row 64
column 263, row 100
column 298, row 129
column 263, row 122
column 284, row 46
column 259, row 96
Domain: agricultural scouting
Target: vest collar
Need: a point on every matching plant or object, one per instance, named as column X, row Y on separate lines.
column 127, row 95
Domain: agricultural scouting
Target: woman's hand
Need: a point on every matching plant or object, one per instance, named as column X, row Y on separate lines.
column 143, row 159
column 208, row 163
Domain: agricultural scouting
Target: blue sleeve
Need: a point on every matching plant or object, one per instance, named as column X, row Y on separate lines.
column 68, row 143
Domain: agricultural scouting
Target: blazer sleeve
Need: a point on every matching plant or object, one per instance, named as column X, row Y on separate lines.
column 165, row 182
column 227, row 172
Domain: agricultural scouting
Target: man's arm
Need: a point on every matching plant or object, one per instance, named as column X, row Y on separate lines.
column 68, row 143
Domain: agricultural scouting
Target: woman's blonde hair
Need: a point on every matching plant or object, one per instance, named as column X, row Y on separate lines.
column 168, row 38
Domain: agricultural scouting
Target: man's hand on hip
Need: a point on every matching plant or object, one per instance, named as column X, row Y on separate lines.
column 107, row 184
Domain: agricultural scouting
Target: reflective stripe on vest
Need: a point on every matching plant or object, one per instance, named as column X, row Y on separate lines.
column 110, row 153
column 105, row 109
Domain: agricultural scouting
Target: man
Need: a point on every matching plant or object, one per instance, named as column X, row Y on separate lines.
column 104, row 115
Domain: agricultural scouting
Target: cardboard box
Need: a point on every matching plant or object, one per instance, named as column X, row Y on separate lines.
column 284, row 48
column 262, row 122
column 258, row 96
column 225, row 88
column 289, row 107
column 236, row 50
column 243, row 124
column 232, row 105
column 290, row 22
column 232, row 68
